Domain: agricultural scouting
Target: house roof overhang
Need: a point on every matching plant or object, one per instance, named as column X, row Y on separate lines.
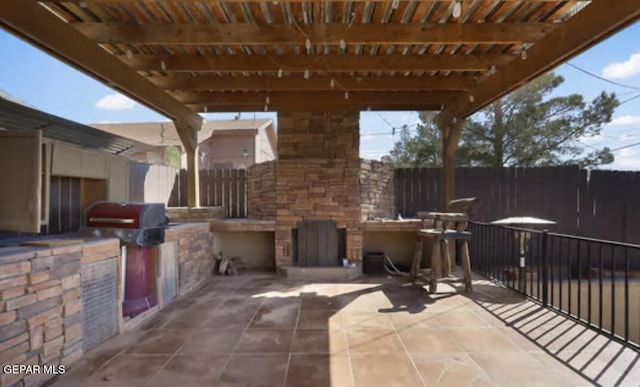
column 184, row 57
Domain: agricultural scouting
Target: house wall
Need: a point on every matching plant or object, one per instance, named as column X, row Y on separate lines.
column 264, row 150
column 317, row 176
column 226, row 148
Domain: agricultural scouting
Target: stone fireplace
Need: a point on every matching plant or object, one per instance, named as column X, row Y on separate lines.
column 317, row 177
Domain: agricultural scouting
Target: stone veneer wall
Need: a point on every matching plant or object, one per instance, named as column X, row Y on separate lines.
column 377, row 190
column 200, row 214
column 195, row 253
column 261, row 191
column 317, row 176
column 41, row 303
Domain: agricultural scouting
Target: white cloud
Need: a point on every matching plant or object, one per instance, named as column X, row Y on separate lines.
column 628, row 159
column 592, row 139
column 621, row 70
column 115, row 102
column 625, row 120
column 624, row 137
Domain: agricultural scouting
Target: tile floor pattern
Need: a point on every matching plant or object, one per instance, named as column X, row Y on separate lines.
column 261, row 331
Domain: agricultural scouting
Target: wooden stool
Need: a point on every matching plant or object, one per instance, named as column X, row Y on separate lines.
column 447, row 227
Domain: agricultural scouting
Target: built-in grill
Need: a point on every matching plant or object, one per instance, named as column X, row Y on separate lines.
column 140, row 227
column 137, row 224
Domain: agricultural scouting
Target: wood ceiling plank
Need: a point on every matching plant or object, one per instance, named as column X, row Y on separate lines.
column 251, row 34
column 310, row 105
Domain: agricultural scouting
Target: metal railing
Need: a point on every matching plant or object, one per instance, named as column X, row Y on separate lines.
column 595, row 282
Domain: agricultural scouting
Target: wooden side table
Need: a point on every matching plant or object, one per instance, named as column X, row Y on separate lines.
column 446, row 227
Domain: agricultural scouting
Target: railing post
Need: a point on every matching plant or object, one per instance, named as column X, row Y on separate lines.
column 545, row 270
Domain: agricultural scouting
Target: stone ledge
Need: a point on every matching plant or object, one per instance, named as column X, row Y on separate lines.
column 337, row 273
column 195, row 214
column 395, row 225
column 240, row 225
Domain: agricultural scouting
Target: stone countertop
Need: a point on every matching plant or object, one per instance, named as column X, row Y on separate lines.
column 393, row 225
column 243, row 224
column 91, row 249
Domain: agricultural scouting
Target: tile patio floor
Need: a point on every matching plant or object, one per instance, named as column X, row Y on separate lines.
column 260, row 331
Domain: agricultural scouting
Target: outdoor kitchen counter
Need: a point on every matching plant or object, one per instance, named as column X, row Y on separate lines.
column 395, row 225
column 90, row 249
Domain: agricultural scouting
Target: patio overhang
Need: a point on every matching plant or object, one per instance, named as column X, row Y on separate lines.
column 183, row 57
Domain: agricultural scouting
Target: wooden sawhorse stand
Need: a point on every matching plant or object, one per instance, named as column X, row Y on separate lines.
column 447, row 227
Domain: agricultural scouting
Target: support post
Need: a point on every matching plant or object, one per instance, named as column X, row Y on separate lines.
column 189, row 137
column 450, row 133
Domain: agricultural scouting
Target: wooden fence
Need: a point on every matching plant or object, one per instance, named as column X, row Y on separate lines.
column 218, row 187
column 599, row 204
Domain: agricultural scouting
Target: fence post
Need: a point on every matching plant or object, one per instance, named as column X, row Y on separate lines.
column 545, row 270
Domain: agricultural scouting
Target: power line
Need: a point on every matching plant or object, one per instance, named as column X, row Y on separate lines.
column 602, row 78
column 625, row 147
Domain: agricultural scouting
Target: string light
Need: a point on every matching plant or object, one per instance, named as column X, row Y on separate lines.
column 395, row 4
column 343, row 44
column 332, row 83
column 307, row 44
column 206, row 108
column 280, row 72
column 267, row 100
column 129, row 54
column 523, row 54
column 492, row 70
column 83, row 4
column 163, row 66
column 266, row 108
column 368, row 108
column 457, row 9
column 306, row 74
column 471, row 98
column 346, row 95
column 454, row 120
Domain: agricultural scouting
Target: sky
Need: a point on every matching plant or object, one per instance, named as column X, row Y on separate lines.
column 36, row 79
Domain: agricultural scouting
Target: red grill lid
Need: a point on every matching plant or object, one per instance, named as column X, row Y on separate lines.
column 116, row 215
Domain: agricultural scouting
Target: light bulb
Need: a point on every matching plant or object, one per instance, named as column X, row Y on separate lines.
column 471, row 98
column 129, row 54
column 346, row 95
column 266, row 100
column 163, row 66
column 332, row 83
column 492, row 70
column 368, row 108
column 457, row 9
column 307, row 44
column 523, row 54
column 83, row 4
column 206, row 108
column 395, row 4
column 280, row 73
column 343, row 44
column 454, row 120
column 266, row 108
column 306, row 74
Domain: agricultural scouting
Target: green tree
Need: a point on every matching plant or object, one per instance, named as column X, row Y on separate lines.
column 172, row 157
column 528, row 127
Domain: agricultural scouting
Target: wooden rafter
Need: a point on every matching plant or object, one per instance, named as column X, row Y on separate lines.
column 343, row 97
column 311, row 106
column 591, row 25
column 324, row 63
column 252, row 34
column 271, row 83
column 35, row 24
column 267, row 1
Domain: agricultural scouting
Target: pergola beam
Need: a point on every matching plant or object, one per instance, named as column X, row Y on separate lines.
column 320, row 63
column 179, row 82
column 265, row 1
column 591, row 25
column 320, row 33
column 341, row 97
column 35, row 24
column 311, row 106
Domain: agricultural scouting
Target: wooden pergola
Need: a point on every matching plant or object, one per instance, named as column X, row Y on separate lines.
column 184, row 57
